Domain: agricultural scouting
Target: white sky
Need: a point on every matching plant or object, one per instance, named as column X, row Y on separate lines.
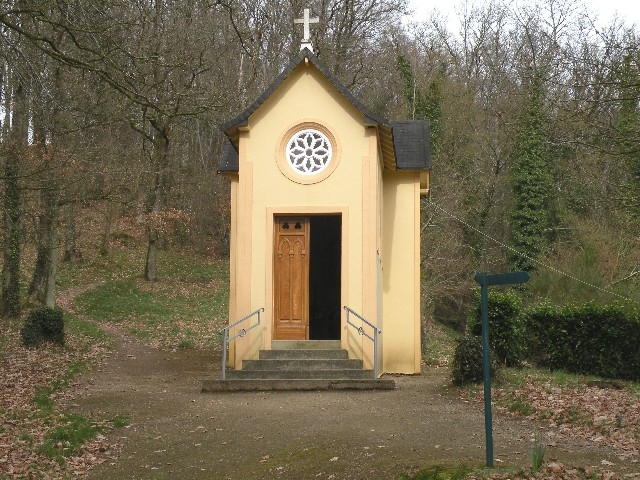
column 627, row 10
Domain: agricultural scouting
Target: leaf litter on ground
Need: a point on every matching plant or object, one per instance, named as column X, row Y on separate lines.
column 588, row 410
column 34, row 390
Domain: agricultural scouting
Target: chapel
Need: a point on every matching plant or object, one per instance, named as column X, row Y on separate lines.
column 325, row 223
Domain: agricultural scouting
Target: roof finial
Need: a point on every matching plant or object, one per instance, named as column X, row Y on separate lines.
column 306, row 40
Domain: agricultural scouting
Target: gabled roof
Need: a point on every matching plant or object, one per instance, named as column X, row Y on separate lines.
column 404, row 145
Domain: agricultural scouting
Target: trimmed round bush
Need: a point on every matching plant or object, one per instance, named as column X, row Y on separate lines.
column 43, row 325
column 467, row 361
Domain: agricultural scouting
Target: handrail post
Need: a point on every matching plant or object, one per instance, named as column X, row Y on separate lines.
column 375, row 353
column 226, row 339
column 373, row 338
column 225, row 343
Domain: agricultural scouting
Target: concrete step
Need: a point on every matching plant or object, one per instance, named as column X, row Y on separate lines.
column 303, row 354
column 302, row 364
column 351, row 374
column 297, row 385
column 305, row 344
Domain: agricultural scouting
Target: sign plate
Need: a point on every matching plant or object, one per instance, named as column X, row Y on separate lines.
column 502, row 278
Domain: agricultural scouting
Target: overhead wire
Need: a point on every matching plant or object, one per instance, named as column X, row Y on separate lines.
column 528, row 257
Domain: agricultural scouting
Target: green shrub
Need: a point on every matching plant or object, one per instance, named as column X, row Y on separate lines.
column 589, row 339
column 547, row 345
column 506, row 326
column 466, row 367
column 43, row 324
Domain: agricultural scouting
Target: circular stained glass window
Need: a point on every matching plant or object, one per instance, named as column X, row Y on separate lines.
column 309, row 152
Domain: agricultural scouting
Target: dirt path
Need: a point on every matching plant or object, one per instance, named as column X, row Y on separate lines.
column 178, row 432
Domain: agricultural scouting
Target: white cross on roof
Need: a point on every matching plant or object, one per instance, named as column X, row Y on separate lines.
column 306, row 21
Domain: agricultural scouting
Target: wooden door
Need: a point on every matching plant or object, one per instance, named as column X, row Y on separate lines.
column 291, row 278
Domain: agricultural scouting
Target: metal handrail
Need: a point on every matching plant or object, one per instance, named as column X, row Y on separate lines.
column 374, row 338
column 241, row 333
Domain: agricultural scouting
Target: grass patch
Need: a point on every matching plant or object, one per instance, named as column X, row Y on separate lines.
column 140, row 334
column 42, row 397
column 120, row 263
column 520, row 406
column 120, row 421
column 517, row 377
column 67, row 439
column 72, row 433
column 184, row 309
column 77, row 326
column 439, row 345
column 122, row 300
column 193, row 269
column 187, row 344
column 440, row 472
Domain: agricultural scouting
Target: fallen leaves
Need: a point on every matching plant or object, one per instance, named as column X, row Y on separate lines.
column 601, row 416
column 30, row 406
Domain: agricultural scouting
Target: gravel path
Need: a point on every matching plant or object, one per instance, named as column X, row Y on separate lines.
column 178, row 432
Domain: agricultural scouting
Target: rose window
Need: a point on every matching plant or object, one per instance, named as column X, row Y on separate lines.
column 309, row 152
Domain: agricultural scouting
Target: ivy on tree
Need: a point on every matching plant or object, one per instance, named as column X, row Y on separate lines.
column 531, row 182
column 423, row 106
column 628, row 130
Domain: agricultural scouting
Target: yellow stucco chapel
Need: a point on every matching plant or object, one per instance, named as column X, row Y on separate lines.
column 325, row 223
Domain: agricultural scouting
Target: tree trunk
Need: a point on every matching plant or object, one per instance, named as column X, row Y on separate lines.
column 156, row 203
column 150, row 269
column 17, row 141
column 106, row 234
column 41, row 289
column 52, row 270
column 10, row 305
column 71, row 251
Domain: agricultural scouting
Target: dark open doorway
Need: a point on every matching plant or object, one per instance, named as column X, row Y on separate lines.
column 324, row 277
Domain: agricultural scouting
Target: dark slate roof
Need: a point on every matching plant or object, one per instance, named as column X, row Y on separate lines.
column 411, row 144
column 395, row 138
column 230, row 162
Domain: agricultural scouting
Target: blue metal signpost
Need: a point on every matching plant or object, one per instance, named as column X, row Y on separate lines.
column 485, row 280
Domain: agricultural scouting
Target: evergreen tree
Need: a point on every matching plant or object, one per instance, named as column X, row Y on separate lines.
column 423, row 106
column 628, row 129
column 531, row 182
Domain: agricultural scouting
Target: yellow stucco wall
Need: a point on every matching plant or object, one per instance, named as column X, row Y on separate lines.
column 264, row 188
column 401, row 277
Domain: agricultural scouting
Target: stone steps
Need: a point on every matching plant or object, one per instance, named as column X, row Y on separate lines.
column 351, row 374
column 302, row 354
column 231, row 385
column 299, row 365
column 302, row 365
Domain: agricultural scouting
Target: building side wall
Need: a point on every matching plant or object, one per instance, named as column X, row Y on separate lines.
column 233, row 267
column 401, row 272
